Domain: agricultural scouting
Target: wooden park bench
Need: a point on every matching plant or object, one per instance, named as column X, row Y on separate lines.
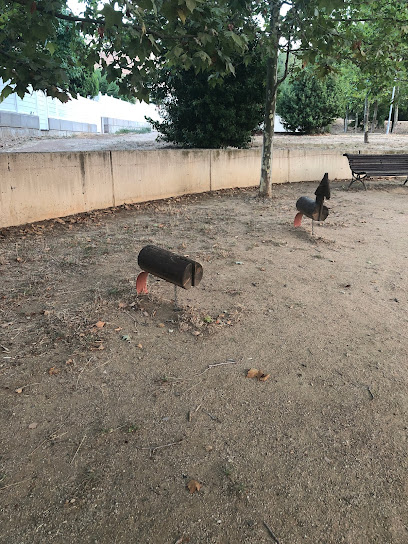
column 363, row 166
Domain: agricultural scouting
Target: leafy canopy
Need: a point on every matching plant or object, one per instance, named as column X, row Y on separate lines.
column 128, row 38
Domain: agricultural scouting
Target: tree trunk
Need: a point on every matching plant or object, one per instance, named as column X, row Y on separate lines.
column 356, row 123
column 265, row 184
column 374, row 120
column 346, row 122
column 366, row 118
column 396, row 111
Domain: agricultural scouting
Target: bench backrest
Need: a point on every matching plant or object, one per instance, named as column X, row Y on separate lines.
column 387, row 165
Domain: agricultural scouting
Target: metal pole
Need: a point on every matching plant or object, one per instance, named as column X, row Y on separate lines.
column 176, row 306
column 391, row 105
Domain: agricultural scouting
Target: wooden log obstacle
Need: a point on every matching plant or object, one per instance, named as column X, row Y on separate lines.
column 164, row 264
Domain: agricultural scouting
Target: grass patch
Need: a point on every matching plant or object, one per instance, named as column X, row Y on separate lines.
column 141, row 130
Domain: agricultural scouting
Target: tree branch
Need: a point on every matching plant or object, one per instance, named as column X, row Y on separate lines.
column 285, row 73
column 101, row 22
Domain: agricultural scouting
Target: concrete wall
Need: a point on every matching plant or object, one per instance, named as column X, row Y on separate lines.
column 111, row 126
column 82, row 113
column 38, row 186
column 19, row 120
column 70, row 126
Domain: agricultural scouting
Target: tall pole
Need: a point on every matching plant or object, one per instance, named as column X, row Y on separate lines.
column 366, row 114
column 389, row 116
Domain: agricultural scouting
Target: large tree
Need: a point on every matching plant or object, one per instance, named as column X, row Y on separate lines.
column 132, row 38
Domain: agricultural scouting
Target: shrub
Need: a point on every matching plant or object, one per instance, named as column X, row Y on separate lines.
column 198, row 114
column 308, row 103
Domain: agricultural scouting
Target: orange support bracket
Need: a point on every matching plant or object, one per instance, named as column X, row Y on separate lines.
column 141, row 283
column 298, row 219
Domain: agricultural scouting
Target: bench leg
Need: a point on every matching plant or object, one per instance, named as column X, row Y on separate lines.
column 405, row 182
column 358, row 178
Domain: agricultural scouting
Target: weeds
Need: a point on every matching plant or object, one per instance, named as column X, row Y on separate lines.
column 141, row 130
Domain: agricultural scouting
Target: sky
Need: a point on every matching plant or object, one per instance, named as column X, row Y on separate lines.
column 76, row 7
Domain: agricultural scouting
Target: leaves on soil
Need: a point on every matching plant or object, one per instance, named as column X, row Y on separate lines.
column 193, row 486
column 258, row 374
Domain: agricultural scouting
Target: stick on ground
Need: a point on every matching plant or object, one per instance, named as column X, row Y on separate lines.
column 76, row 453
column 271, row 533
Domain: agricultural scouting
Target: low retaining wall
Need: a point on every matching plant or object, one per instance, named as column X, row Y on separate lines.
column 38, row 186
column 111, row 126
column 19, row 120
column 70, row 126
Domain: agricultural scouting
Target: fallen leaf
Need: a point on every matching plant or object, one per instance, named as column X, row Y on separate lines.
column 126, row 337
column 162, row 325
column 47, row 312
column 53, row 370
column 69, row 362
column 122, row 305
column 19, row 390
column 118, row 329
column 195, row 333
column 33, row 425
column 183, row 540
column 19, row 259
column 97, row 347
column 100, row 324
column 258, row 374
column 4, row 325
column 140, row 346
column 193, row 486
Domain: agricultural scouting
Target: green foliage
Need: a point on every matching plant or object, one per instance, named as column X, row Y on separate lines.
column 142, row 130
column 374, row 52
column 308, row 103
column 69, row 47
column 126, row 38
column 111, row 88
column 199, row 114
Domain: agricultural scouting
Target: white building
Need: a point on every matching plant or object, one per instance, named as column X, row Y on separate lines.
column 36, row 111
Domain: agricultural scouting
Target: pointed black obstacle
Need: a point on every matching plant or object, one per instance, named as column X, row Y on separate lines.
column 314, row 209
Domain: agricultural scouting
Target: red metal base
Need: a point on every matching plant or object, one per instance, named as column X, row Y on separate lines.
column 141, row 283
column 298, row 219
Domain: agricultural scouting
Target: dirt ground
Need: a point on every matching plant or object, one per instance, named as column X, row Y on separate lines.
column 112, row 403
column 350, row 142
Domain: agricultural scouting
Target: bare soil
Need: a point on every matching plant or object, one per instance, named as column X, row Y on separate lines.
column 112, row 403
column 350, row 142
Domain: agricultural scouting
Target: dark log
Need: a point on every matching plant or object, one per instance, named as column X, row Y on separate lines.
column 312, row 209
column 173, row 268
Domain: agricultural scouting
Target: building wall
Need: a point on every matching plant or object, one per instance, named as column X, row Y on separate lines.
column 80, row 111
column 38, row 186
